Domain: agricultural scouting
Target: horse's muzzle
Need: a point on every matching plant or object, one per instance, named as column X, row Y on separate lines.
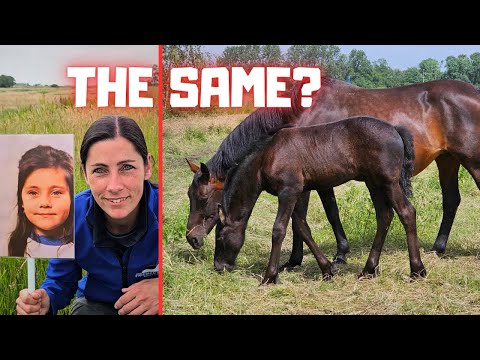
column 195, row 241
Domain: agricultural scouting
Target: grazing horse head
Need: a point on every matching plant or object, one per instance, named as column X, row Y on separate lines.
column 204, row 193
column 229, row 239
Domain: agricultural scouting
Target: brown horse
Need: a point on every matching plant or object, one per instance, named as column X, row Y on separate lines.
column 443, row 117
column 320, row 158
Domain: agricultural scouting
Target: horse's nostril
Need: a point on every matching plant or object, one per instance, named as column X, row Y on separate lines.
column 196, row 243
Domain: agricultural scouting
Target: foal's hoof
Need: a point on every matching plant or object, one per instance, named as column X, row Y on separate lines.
column 270, row 280
column 366, row 274
column 418, row 274
column 437, row 250
column 327, row 277
column 289, row 265
column 339, row 260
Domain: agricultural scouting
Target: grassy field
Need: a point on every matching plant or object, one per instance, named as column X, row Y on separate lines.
column 46, row 110
column 191, row 285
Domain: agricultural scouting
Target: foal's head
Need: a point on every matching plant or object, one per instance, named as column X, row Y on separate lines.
column 229, row 239
column 204, row 194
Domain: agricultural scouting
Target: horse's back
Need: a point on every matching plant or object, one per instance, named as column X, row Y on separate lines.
column 406, row 105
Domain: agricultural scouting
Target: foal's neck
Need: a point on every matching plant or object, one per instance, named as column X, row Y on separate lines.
column 243, row 190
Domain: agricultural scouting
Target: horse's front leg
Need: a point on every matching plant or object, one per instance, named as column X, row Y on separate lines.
column 286, row 203
column 298, row 217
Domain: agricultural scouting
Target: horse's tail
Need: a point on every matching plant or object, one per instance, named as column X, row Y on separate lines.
column 408, row 159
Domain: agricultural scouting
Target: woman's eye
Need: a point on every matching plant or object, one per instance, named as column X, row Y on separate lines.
column 99, row 171
column 57, row 192
column 32, row 193
column 127, row 167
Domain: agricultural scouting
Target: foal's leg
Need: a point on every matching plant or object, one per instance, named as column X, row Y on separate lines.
column 324, row 264
column 407, row 214
column 300, row 212
column 286, row 202
column 448, row 171
column 331, row 210
column 384, row 214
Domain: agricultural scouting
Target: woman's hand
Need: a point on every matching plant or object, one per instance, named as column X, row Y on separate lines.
column 35, row 303
column 140, row 298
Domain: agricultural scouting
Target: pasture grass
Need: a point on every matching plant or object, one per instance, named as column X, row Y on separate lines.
column 192, row 286
column 51, row 111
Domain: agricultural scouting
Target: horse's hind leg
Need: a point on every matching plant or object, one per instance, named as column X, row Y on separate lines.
column 407, row 214
column 324, row 264
column 473, row 167
column 448, row 167
column 331, row 210
column 384, row 214
column 300, row 217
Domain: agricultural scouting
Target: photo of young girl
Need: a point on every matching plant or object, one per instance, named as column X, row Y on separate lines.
column 42, row 225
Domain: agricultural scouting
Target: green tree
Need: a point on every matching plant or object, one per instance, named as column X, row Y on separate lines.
column 475, row 73
column 430, row 70
column 271, row 55
column 458, row 68
column 247, row 56
column 383, row 76
column 411, row 76
column 6, row 81
column 360, row 69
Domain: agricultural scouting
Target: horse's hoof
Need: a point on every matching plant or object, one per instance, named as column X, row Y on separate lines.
column 418, row 274
column 366, row 274
column 437, row 250
column 339, row 260
column 289, row 266
column 327, row 277
column 270, row 280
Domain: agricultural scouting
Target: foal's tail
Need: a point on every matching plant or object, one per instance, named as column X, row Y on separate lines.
column 408, row 158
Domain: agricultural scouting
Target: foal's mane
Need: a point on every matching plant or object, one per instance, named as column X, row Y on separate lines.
column 260, row 124
column 239, row 172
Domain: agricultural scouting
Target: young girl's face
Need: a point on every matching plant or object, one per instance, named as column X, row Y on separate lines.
column 46, row 201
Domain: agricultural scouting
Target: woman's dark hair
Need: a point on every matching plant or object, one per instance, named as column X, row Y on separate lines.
column 40, row 157
column 110, row 127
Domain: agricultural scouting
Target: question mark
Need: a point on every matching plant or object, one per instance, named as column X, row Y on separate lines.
column 309, row 87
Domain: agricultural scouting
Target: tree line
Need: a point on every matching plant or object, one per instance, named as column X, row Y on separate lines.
column 355, row 67
column 6, row 81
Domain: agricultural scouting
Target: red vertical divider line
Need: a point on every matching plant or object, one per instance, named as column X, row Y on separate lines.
column 160, row 180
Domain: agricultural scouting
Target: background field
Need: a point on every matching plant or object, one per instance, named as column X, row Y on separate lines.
column 191, row 286
column 46, row 110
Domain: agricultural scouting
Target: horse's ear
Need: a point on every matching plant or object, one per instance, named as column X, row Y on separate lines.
column 205, row 172
column 221, row 214
column 193, row 167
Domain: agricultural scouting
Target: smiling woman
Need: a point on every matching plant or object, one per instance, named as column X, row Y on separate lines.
column 116, row 227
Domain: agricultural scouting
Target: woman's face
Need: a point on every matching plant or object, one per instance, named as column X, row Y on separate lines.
column 46, row 200
column 115, row 172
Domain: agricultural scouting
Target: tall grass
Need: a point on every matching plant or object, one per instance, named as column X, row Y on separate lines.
column 192, row 286
column 25, row 112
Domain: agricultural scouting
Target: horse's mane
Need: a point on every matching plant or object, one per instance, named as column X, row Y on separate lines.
column 260, row 124
column 236, row 172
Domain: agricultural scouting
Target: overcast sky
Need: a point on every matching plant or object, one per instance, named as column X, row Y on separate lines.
column 47, row 64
